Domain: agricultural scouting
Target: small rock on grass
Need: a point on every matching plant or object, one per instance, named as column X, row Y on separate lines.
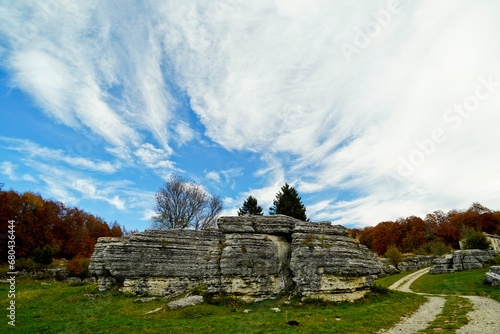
column 188, row 301
column 247, row 311
column 154, row 311
column 275, row 309
column 145, row 300
column 91, row 296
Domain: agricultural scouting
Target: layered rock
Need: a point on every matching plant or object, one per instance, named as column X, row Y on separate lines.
column 461, row 260
column 493, row 276
column 327, row 264
column 253, row 257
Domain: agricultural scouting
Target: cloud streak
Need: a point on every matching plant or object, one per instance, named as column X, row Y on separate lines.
column 333, row 97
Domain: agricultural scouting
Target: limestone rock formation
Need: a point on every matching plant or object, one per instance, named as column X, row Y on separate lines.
column 253, row 257
column 493, row 276
column 461, row 260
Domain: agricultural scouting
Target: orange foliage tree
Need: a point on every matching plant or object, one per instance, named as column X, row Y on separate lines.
column 408, row 234
column 68, row 231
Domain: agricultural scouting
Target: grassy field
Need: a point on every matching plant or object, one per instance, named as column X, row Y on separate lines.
column 60, row 308
column 470, row 283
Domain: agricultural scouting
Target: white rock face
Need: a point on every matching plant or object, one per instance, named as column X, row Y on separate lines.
column 252, row 257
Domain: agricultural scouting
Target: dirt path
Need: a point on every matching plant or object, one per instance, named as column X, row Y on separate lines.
column 485, row 318
column 425, row 314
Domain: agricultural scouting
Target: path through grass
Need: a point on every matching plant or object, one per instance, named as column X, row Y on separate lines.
column 468, row 283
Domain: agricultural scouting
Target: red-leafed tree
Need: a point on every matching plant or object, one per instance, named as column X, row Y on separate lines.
column 39, row 223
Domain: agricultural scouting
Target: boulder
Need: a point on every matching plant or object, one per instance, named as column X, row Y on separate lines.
column 493, row 276
column 185, row 302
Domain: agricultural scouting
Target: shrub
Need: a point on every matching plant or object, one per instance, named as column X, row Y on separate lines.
column 379, row 288
column 436, row 247
column 394, row 256
column 27, row 264
column 91, row 289
column 78, row 266
column 43, row 256
column 476, row 240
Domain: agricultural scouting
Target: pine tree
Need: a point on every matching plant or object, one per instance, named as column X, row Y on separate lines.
column 288, row 202
column 250, row 207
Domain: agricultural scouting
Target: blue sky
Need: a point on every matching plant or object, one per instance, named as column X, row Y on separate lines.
column 373, row 110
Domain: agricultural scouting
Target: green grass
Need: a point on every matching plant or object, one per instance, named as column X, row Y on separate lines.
column 468, row 283
column 59, row 308
column 390, row 280
column 452, row 317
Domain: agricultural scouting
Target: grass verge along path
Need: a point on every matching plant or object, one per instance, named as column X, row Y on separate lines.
column 452, row 317
column 469, row 283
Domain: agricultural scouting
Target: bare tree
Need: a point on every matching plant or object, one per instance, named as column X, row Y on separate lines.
column 182, row 203
column 209, row 218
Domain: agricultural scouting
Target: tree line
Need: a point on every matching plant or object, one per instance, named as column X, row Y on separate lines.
column 414, row 234
column 43, row 226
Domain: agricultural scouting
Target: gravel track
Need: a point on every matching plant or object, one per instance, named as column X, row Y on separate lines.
column 485, row 319
column 425, row 314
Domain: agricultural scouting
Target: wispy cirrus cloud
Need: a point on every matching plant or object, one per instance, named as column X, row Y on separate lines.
column 8, row 169
column 273, row 78
column 33, row 150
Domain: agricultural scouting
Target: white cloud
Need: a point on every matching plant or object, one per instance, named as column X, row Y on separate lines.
column 34, row 150
column 273, row 78
column 9, row 169
column 213, row 176
column 184, row 133
column 155, row 158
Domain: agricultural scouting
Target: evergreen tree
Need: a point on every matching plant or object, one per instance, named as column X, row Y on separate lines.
column 288, row 202
column 250, row 207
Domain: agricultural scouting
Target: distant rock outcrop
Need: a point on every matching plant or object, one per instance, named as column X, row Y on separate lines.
column 461, row 260
column 253, row 257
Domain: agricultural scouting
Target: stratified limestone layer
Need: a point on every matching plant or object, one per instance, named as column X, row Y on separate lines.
column 253, row 257
column 462, row 260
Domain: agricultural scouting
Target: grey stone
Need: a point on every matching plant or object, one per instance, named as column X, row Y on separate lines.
column 156, row 310
column 145, row 300
column 73, row 280
column 92, row 296
column 185, row 302
column 493, row 276
column 251, row 257
column 462, row 260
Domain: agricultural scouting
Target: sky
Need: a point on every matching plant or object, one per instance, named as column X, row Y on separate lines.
column 372, row 110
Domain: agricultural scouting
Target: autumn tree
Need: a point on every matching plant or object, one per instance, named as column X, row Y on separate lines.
column 288, row 202
column 43, row 225
column 182, row 203
column 250, row 207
